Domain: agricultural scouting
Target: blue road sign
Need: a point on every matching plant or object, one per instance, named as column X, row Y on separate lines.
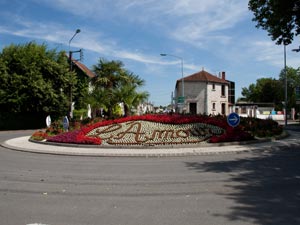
column 233, row 119
column 66, row 123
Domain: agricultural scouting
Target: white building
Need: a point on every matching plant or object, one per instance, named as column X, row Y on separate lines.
column 205, row 94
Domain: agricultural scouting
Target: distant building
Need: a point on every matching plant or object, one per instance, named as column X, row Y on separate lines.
column 145, row 108
column 205, row 94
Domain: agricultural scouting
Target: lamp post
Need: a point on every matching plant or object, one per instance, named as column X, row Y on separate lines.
column 70, row 52
column 297, row 88
column 285, row 86
column 182, row 80
column 70, row 58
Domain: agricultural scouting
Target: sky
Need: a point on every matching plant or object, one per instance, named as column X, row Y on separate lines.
column 214, row 35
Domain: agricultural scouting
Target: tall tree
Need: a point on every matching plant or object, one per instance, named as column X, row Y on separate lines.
column 33, row 79
column 281, row 18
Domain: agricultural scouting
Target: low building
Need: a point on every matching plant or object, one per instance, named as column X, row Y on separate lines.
column 205, row 93
column 261, row 111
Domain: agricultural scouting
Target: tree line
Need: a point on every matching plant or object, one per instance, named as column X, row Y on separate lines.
column 35, row 80
column 271, row 90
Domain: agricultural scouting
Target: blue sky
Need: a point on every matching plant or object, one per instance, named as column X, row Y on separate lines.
column 217, row 35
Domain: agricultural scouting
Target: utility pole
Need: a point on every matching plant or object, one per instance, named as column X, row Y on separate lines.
column 71, row 65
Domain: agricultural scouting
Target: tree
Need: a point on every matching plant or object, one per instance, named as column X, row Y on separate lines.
column 293, row 81
column 97, row 98
column 266, row 90
column 281, row 18
column 33, row 79
column 113, row 85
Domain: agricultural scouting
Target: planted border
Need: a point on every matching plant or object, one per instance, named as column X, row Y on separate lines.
column 155, row 130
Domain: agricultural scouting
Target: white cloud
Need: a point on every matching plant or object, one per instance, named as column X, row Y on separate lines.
column 268, row 52
column 210, row 23
column 190, row 21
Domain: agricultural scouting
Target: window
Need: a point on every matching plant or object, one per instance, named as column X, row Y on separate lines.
column 223, row 90
column 223, row 109
column 214, row 106
column 213, row 87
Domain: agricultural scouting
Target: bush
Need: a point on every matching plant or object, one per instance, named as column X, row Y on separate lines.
column 261, row 128
column 79, row 114
column 39, row 136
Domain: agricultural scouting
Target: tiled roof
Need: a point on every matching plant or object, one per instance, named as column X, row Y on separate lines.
column 84, row 69
column 204, row 77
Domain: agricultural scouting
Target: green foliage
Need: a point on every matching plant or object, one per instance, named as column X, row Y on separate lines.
column 270, row 90
column 113, row 85
column 80, row 89
column 34, row 79
column 265, row 90
column 261, row 128
column 293, row 81
column 281, row 18
column 79, row 113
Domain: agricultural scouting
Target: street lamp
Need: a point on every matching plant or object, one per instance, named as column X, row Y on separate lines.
column 76, row 32
column 70, row 52
column 182, row 82
column 70, row 58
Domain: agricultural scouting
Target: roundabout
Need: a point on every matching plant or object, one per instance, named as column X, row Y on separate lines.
column 154, row 136
column 24, row 144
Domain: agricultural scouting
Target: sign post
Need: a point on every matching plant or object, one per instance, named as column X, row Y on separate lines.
column 233, row 119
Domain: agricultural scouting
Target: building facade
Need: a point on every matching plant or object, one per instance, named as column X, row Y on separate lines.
column 204, row 93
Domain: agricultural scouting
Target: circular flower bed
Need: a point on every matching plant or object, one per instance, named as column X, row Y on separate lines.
column 155, row 130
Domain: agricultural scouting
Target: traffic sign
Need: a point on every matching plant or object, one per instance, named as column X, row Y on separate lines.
column 48, row 121
column 233, row 119
column 181, row 99
column 66, row 123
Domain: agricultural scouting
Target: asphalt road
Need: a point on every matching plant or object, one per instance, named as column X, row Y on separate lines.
column 244, row 188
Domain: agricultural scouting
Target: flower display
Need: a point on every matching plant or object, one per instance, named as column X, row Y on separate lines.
column 39, row 136
column 155, row 130
column 74, row 137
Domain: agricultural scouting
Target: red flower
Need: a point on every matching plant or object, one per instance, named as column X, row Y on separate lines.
column 230, row 134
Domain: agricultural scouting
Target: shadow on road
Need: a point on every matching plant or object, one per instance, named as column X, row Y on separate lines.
column 265, row 187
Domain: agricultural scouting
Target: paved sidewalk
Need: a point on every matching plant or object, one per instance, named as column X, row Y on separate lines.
column 23, row 144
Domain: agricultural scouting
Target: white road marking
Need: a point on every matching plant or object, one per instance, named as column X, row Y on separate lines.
column 37, row 224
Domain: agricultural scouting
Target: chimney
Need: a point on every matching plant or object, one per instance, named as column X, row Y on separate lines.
column 223, row 75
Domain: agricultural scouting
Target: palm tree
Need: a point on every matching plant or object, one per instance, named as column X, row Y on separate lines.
column 97, row 98
column 129, row 96
column 108, row 77
column 116, row 85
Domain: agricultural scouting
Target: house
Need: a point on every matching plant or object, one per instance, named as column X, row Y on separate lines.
column 80, row 68
column 205, row 93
